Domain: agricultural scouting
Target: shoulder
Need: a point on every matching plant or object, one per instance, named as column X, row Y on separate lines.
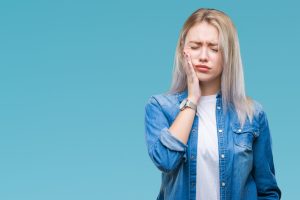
column 166, row 104
column 260, row 113
column 258, row 107
column 163, row 99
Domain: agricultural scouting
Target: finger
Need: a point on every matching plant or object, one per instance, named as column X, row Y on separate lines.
column 186, row 62
column 191, row 66
column 188, row 66
column 189, row 59
column 185, row 53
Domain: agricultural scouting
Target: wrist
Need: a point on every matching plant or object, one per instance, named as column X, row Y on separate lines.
column 187, row 103
column 193, row 99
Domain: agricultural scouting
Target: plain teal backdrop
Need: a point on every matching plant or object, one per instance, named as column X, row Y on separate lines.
column 75, row 77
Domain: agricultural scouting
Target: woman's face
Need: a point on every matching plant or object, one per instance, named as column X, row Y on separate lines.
column 202, row 42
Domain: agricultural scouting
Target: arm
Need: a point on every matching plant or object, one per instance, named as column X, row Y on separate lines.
column 263, row 166
column 166, row 149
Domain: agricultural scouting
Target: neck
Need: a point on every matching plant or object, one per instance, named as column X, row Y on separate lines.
column 210, row 88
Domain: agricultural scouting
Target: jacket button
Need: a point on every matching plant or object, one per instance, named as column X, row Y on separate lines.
column 222, row 156
column 220, row 130
column 223, row 184
column 218, row 107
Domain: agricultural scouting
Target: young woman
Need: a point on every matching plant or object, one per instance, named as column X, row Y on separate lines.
column 210, row 140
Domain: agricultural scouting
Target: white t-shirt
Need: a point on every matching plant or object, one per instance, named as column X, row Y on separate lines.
column 207, row 181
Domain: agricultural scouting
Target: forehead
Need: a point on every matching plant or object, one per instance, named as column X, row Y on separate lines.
column 203, row 32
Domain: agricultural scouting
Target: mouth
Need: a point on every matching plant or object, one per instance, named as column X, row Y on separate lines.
column 202, row 68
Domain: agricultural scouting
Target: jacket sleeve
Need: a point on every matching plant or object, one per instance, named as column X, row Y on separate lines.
column 263, row 165
column 164, row 149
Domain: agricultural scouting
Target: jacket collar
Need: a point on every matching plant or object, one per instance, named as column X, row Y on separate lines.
column 182, row 95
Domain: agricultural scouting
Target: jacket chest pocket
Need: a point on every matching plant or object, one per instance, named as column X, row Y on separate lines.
column 244, row 137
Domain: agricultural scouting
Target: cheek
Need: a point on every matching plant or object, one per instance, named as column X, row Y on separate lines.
column 218, row 65
column 217, row 59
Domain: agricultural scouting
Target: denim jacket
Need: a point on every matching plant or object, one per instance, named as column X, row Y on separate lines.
column 246, row 168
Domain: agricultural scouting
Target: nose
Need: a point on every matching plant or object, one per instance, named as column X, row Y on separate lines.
column 203, row 57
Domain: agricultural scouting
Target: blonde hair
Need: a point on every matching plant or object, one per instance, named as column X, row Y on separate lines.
column 232, row 78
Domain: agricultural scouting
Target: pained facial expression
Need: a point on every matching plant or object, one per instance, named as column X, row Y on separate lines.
column 202, row 42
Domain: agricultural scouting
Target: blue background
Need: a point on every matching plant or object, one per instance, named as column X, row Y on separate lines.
column 75, row 77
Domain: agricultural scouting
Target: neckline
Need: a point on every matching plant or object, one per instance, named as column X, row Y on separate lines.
column 208, row 98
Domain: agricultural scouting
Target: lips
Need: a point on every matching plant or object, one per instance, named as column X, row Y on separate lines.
column 202, row 66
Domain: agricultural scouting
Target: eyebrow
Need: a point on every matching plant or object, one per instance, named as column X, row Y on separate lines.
column 209, row 43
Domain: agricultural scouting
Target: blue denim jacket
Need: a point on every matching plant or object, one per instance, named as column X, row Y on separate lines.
column 245, row 154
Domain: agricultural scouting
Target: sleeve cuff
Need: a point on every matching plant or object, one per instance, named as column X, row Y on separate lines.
column 171, row 142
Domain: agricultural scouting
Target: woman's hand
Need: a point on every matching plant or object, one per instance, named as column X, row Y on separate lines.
column 194, row 90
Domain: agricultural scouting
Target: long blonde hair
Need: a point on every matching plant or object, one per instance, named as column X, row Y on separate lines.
column 232, row 78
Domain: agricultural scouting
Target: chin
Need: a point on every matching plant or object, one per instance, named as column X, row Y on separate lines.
column 205, row 77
